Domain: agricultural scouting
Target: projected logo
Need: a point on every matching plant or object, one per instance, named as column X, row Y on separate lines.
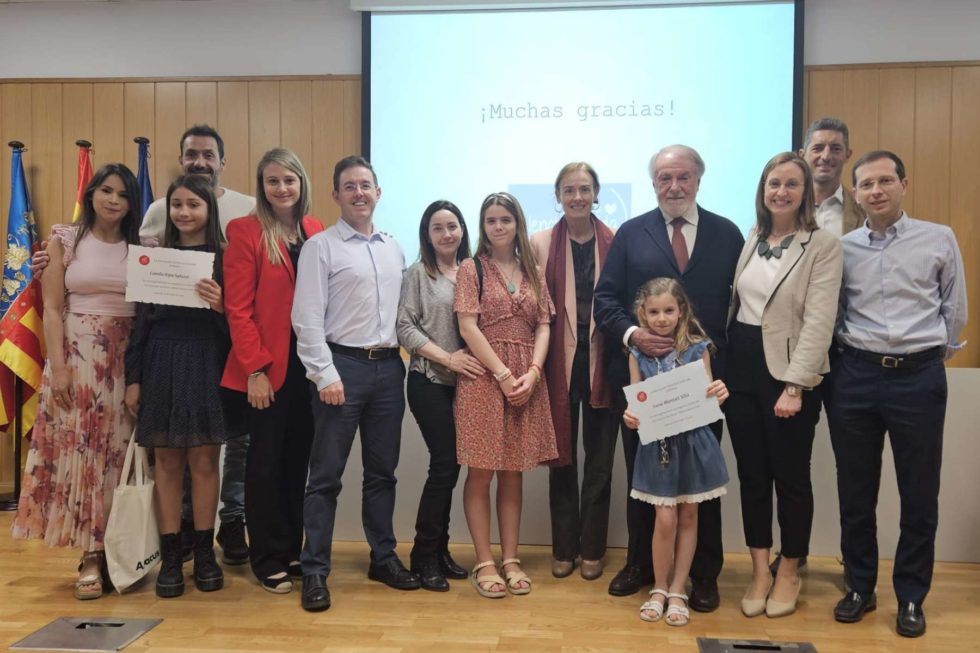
column 542, row 210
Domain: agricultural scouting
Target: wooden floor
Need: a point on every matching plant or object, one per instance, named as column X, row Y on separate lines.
column 566, row 615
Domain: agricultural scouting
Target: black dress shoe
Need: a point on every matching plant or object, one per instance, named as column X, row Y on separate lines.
column 704, row 595
column 431, row 577
column 852, row 607
column 911, row 621
column 450, row 569
column 316, row 596
column 629, row 580
column 394, row 575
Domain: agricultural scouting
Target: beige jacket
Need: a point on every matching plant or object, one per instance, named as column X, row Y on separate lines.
column 853, row 214
column 801, row 308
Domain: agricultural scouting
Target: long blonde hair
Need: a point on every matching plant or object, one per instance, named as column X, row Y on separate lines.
column 689, row 331
column 522, row 246
column 273, row 231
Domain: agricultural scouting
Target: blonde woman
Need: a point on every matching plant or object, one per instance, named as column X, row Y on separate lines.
column 260, row 277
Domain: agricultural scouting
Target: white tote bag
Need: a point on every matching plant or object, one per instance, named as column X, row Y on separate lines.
column 132, row 541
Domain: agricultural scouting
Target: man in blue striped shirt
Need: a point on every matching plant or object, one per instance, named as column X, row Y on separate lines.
column 903, row 306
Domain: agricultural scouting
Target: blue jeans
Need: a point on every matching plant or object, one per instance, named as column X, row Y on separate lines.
column 374, row 404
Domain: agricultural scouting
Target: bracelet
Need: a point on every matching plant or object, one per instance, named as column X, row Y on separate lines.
column 537, row 373
column 502, row 376
column 256, row 374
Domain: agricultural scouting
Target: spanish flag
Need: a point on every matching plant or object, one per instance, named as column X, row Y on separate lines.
column 84, row 175
column 21, row 335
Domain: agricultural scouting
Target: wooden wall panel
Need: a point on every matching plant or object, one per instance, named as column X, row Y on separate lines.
column 328, row 145
column 933, row 98
column 965, row 191
column 202, row 103
column 108, row 117
column 263, row 121
column 859, row 109
column 296, row 119
column 233, row 127
column 46, row 146
column 77, row 124
column 139, row 119
column 896, row 119
column 171, row 121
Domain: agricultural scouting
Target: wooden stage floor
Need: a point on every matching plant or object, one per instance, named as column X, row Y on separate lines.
column 559, row 615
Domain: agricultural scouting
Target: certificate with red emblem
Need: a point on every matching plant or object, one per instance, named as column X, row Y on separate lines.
column 672, row 402
column 160, row 275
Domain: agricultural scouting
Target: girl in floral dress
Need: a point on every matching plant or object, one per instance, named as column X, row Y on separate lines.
column 82, row 428
column 503, row 419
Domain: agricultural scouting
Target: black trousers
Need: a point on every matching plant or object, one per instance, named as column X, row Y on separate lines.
column 770, row 451
column 432, row 406
column 275, row 473
column 709, row 555
column 910, row 405
column 580, row 526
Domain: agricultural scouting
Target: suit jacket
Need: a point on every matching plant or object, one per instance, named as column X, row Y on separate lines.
column 641, row 251
column 853, row 213
column 801, row 308
column 541, row 245
column 258, row 302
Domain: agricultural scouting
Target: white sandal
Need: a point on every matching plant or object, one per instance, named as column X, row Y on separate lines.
column 483, row 584
column 680, row 611
column 656, row 607
column 515, row 578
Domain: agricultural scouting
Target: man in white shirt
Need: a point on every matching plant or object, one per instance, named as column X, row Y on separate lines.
column 348, row 281
column 827, row 149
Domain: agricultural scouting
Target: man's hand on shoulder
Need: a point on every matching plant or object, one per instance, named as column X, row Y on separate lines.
column 650, row 343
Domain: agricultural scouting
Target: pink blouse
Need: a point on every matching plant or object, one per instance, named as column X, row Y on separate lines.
column 95, row 275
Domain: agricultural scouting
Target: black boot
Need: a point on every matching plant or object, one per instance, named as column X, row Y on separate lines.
column 170, row 579
column 207, row 574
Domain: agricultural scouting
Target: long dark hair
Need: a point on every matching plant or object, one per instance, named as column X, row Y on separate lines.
column 214, row 240
column 130, row 225
column 427, row 252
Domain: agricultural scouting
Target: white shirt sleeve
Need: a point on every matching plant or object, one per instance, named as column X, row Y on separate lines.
column 310, row 310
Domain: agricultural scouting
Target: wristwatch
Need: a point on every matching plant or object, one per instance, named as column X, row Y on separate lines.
column 793, row 390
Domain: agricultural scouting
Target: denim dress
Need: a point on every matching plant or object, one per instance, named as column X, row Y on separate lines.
column 683, row 468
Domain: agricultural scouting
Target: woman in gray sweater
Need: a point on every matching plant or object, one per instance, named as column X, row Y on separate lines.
column 427, row 328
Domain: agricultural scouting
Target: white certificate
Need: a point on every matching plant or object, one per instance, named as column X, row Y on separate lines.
column 160, row 275
column 673, row 402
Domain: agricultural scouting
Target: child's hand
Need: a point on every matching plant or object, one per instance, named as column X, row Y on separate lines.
column 521, row 391
column 630, row 420
column 717, row 388
column 210, row 291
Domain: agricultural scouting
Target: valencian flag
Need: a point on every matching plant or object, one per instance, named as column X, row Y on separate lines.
column 21, row 335
column 143, row 174
column 84, row 175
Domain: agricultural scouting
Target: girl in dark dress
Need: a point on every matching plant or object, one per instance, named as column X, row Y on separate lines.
column 174, row 363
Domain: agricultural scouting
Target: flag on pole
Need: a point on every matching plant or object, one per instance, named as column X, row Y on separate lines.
column 21, row 333
column 143, row 173
column 84, row 175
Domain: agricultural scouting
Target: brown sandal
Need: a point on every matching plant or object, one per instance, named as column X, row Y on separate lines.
column 89, row 586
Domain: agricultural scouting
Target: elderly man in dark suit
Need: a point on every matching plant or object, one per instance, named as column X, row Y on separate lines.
column 678, row 239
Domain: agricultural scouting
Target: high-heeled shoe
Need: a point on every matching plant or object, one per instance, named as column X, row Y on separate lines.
column 755, row 607
column 783, row 608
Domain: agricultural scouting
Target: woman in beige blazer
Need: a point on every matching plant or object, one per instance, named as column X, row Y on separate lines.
column 572, row 254
column 780, row 325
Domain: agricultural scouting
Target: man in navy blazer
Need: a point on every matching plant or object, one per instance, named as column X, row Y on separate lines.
column 681, row 240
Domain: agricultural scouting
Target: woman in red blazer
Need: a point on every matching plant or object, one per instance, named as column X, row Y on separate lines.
column 260, row 276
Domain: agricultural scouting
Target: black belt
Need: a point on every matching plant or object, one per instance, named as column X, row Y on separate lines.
column 894, row 361
column 365, row 353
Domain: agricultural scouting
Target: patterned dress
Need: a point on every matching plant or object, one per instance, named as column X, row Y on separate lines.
column 491, row 433
column 76, row 454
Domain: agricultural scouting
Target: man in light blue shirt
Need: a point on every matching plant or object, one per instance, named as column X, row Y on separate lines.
column 344, row 309
column 903, row 306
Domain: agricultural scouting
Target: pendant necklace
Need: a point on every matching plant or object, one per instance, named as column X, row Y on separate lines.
column 768, row 252
column 511, row 286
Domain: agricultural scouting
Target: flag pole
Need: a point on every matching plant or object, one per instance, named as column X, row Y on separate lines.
column 10, row 505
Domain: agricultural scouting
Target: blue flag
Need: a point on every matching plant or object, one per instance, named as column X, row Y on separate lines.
column 143, row 178
column 21, row 236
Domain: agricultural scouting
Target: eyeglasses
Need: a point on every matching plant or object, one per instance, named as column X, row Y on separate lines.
column 364, row 187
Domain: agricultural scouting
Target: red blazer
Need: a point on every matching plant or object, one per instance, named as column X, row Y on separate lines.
column 258, row 302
